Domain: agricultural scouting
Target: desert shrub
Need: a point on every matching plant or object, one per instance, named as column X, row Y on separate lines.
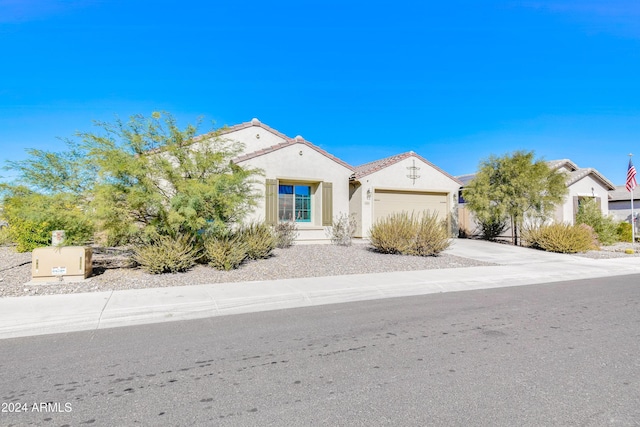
column 29, row 235
column 286, row 233
column 166, row 254
column 595, row 243
column 225, row 252
column 342, row 231
column 530, row 236
column 562, row 238
column 406, row 234
column 491, row 228
column 432, row 236
column 606, row 227
column 259, row 239
column 465, row 233
column 394, row 234
column 32, row 218
column 624, row 232
column 5, row 239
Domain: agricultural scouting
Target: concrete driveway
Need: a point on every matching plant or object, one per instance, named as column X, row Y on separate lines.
column 502, row 253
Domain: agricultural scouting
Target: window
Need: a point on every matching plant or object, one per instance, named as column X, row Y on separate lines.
column 294, row 203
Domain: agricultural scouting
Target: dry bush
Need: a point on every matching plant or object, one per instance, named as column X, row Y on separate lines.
column 562, row 238
column 225, row 252
column 432, row 237
column 394, row 234
column 342, row 231
column 166, row 254
column 407, row 234
column 286, row 233
column 259, row 238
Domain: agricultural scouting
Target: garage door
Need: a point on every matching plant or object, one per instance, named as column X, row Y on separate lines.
column 387, row 202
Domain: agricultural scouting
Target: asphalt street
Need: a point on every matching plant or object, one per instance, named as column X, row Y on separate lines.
column 548, row 354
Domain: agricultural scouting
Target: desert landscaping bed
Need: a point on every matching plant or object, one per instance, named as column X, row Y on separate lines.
column 113, row 269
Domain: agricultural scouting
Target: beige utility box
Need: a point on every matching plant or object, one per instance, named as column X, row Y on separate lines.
column 69, row 263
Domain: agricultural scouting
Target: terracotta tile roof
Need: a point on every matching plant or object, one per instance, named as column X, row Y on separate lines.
column 375, row 166
column 291, row 141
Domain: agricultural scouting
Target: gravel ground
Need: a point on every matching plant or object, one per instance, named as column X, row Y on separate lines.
column 613, row 251
column 112, row 269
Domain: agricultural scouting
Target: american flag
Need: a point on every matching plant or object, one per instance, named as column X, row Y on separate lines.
column 631, row 177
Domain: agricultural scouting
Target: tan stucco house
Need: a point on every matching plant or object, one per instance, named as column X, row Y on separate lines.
column 304, row 183
column 583, row 184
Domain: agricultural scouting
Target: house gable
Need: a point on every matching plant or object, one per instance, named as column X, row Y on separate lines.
column 253, row 135
column 299, row 165
column 296, row 158
column 404, row 182
column 582, row 173
column 300, row 143
column 379, row 165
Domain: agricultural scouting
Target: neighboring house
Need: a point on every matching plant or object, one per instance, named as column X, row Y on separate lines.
column 620, row 204
column 304, row 183
column 404, row 182
column 582, row 184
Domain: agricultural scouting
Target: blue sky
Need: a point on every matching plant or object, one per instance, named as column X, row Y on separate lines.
column 454, row 81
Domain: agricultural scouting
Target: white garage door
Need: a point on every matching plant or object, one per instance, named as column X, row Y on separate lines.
column 387, row 202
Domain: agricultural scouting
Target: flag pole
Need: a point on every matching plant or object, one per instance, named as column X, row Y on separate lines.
column 633, row 220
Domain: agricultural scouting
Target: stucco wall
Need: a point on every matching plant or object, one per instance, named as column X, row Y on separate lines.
column 355, row 206
column 300, row 163
column 254, row 138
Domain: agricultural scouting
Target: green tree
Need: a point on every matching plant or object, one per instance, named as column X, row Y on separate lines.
column 146, row 177
column 48, row 172
column 514, row 187
column 33, row 216
column 606, row 227
column 52, row 193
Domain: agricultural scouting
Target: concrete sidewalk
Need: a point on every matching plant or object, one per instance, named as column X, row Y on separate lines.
column 37, row 315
